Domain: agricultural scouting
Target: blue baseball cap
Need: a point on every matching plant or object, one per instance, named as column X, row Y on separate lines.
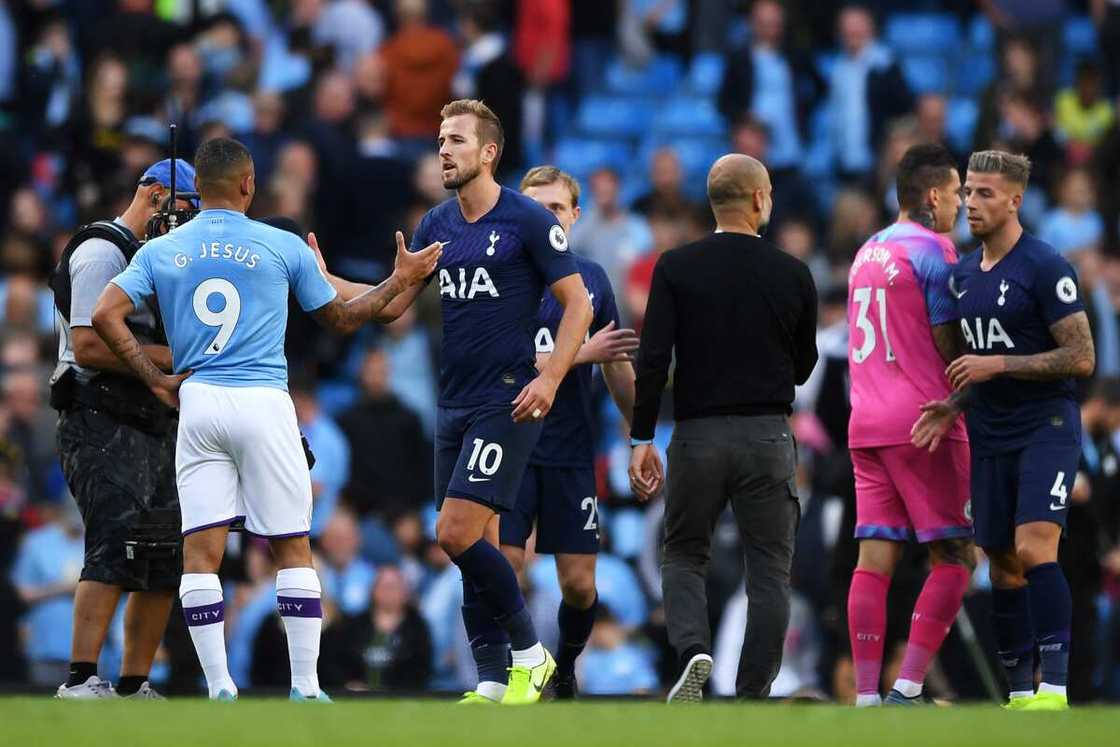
column 160, row 172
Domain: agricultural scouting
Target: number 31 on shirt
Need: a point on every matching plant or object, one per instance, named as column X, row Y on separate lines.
column 862, row 297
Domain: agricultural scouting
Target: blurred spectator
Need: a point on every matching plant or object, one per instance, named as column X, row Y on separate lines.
column 668, row 233
column 1106, row 169
column 388, row 475
column 763, row 79
column 613, row 665
column 1035, row 20
column 266, row 138
column 184, row 95
column 9, row 56
column 487, row 72
column 387, row 649
column 1074, row 225
column 796, row 237
column 667, row 186
column 1106, row 14
column 930, row 115
column 649, row 26
column 854, row 218
column 594, row 28
column 52, row 79
column 867, row 91
column 45, row 575
column 346, row 578
column 1018, row 75
column 352, row 28
column 412, row 358
column 1082, row 114
column 99, row 126
column 792, row 196
column 542, row 48
column 420, row 61
column 607, row 232
column 332, row 453
column 1024, row 129
column 30, row 427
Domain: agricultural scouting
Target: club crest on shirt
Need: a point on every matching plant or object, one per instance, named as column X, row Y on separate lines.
column 558, row 238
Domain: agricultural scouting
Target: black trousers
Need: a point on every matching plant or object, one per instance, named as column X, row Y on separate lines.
column 749, row 462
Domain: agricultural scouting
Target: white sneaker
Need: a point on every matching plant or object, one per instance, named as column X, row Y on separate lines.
column 146, row 692
column 690, row 686
column 94, row 688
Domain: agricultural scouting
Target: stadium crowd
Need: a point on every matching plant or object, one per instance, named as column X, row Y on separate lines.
column 338, row 102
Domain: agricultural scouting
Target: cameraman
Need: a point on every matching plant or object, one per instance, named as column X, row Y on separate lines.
column 117, row 446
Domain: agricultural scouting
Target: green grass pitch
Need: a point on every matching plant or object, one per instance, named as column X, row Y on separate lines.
column 28, row 722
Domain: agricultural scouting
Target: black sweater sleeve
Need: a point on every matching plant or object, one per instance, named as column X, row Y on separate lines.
column 655, row 353
column 805, row 337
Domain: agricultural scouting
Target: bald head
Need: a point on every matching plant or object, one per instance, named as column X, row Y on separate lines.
column 734, row 179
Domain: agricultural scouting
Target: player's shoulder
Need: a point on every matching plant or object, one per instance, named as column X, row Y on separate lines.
column 968, row 263
column 592, row 272
column 1037, row 252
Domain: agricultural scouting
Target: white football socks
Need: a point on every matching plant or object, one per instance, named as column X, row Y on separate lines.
column 298, row 600
column 201, row 595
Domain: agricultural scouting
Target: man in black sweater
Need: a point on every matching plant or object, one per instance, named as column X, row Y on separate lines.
column 741, row 317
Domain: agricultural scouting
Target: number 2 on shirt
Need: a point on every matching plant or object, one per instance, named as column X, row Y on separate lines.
column 862, row 296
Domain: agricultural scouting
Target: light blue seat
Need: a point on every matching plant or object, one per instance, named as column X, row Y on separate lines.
column 689, row 115
column 660, row 76
column 705, row 74
column 1080, row 37
column 926, row 73
column 581, row 156
column 614, row 116
column 960, row 122
column 923, row 33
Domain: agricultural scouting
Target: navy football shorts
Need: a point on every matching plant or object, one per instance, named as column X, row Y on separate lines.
column 562, row 501
column 481, row 454
column 1032, row 484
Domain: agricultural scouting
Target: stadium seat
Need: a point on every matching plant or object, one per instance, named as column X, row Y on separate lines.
column 659, row 77
column 705, row 74
column 973, row 73
column 1080, row 37
column 960, row 122
column 689, row 115
column 981, row 35
column 923, row 33
column 582, row 156
column 614, row 116
column 926, row 73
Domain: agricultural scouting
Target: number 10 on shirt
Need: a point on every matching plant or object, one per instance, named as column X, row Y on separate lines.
column 862, row 296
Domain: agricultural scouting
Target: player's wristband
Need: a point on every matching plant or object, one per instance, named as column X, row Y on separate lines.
column 639, row 441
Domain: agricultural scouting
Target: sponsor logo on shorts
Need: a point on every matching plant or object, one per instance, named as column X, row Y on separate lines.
column 472, row 478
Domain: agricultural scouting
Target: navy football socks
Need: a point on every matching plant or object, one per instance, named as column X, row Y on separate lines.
column 484, row 566
column 1011, row 618
column 575, row 628
column 1052, row 611
column 489, row 642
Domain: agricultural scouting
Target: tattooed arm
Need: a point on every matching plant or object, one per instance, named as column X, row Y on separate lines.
column 949, row 341
column 1074, row 356
column 411, row 268
column 113, row 307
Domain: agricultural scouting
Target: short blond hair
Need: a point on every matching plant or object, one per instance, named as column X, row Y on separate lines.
column 1015, row 168
column 542, row 176
column 489, row 126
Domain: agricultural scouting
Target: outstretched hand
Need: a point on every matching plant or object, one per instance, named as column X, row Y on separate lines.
column 414, row 267
column 314, row 244
column 610, row 345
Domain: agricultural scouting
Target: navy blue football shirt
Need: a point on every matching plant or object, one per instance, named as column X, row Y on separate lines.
column 1008, row 310
column 491, row 277
column 566, row 440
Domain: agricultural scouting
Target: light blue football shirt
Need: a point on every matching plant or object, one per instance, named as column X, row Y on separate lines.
column 222, row 283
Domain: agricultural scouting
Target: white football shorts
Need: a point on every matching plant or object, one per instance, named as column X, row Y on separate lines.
column 239, row 455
